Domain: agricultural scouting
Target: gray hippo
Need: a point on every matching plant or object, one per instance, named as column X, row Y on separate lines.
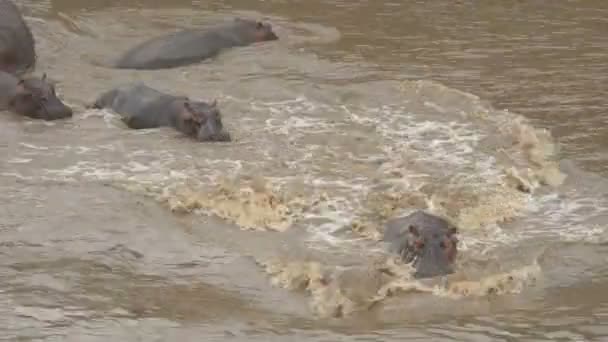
column 194, row 45
column 32, row 97
column 17, row 47
column 143, row 107
column 428, row 241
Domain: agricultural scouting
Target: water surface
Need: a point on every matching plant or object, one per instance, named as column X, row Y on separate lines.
column 362, row 111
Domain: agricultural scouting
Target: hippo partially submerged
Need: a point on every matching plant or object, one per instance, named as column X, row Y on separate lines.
column 17, row 50
column 32, row 97
column 428, row 241
column 194, row 45
column 143, row 107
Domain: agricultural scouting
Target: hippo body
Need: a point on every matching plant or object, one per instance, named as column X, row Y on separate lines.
column 194, row 45
column 428, row 241
column 142, row 107
column 32, row 97
column 17, row 46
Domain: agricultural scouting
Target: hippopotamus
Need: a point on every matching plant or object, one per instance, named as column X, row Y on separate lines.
column 426, row 240
column 17, row 47
column 33, row 97
column 142, row 107
column 194, row 45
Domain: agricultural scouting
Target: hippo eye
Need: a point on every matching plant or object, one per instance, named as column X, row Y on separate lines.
column 442, row 245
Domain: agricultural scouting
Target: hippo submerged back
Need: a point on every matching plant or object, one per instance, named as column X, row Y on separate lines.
column 193, row 45
column 17, row 46
column 143, row 107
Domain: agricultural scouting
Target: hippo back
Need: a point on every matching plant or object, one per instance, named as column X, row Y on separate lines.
column 8, row 83
column 132, row 99
column 17, row 45
column 176, row 49
column 140, row 106
column 187, row 46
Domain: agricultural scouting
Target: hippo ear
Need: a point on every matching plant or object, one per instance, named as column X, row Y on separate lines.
column 51, row 81
column 187, row 113
column 413, row 230
column 190, row 113
column 453, row 235
column 21, row 87
column 213, row 103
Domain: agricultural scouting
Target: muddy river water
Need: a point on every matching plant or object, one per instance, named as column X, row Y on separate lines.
column 490, row 113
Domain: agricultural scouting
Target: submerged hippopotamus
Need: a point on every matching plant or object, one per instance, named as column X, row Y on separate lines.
column 143, row 107
column 194, row 45
column 17, row 48
column 32, row 97
column 428, row 241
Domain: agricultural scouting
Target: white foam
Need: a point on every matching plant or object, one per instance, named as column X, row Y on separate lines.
column 570, row 218
column 422, row 149
column 70, row 170
column 34, row 147
column 16, row 175
column 134, row 166
column 41, row 314
column 19, row 160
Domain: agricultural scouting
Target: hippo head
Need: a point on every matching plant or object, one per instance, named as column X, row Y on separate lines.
column 426, row 241
column 36, row 98
column 432, row 250
column 203, row 121
column 264, row 32
column 261, row 31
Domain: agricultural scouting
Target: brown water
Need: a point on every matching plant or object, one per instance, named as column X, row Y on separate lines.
column 360, row 112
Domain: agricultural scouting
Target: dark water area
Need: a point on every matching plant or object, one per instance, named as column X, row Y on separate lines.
column 361, row 111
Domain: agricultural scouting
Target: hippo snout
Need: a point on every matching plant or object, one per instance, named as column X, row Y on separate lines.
column 58, row 110
column 222, row 137
column 272, row 36
column 431, row 264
